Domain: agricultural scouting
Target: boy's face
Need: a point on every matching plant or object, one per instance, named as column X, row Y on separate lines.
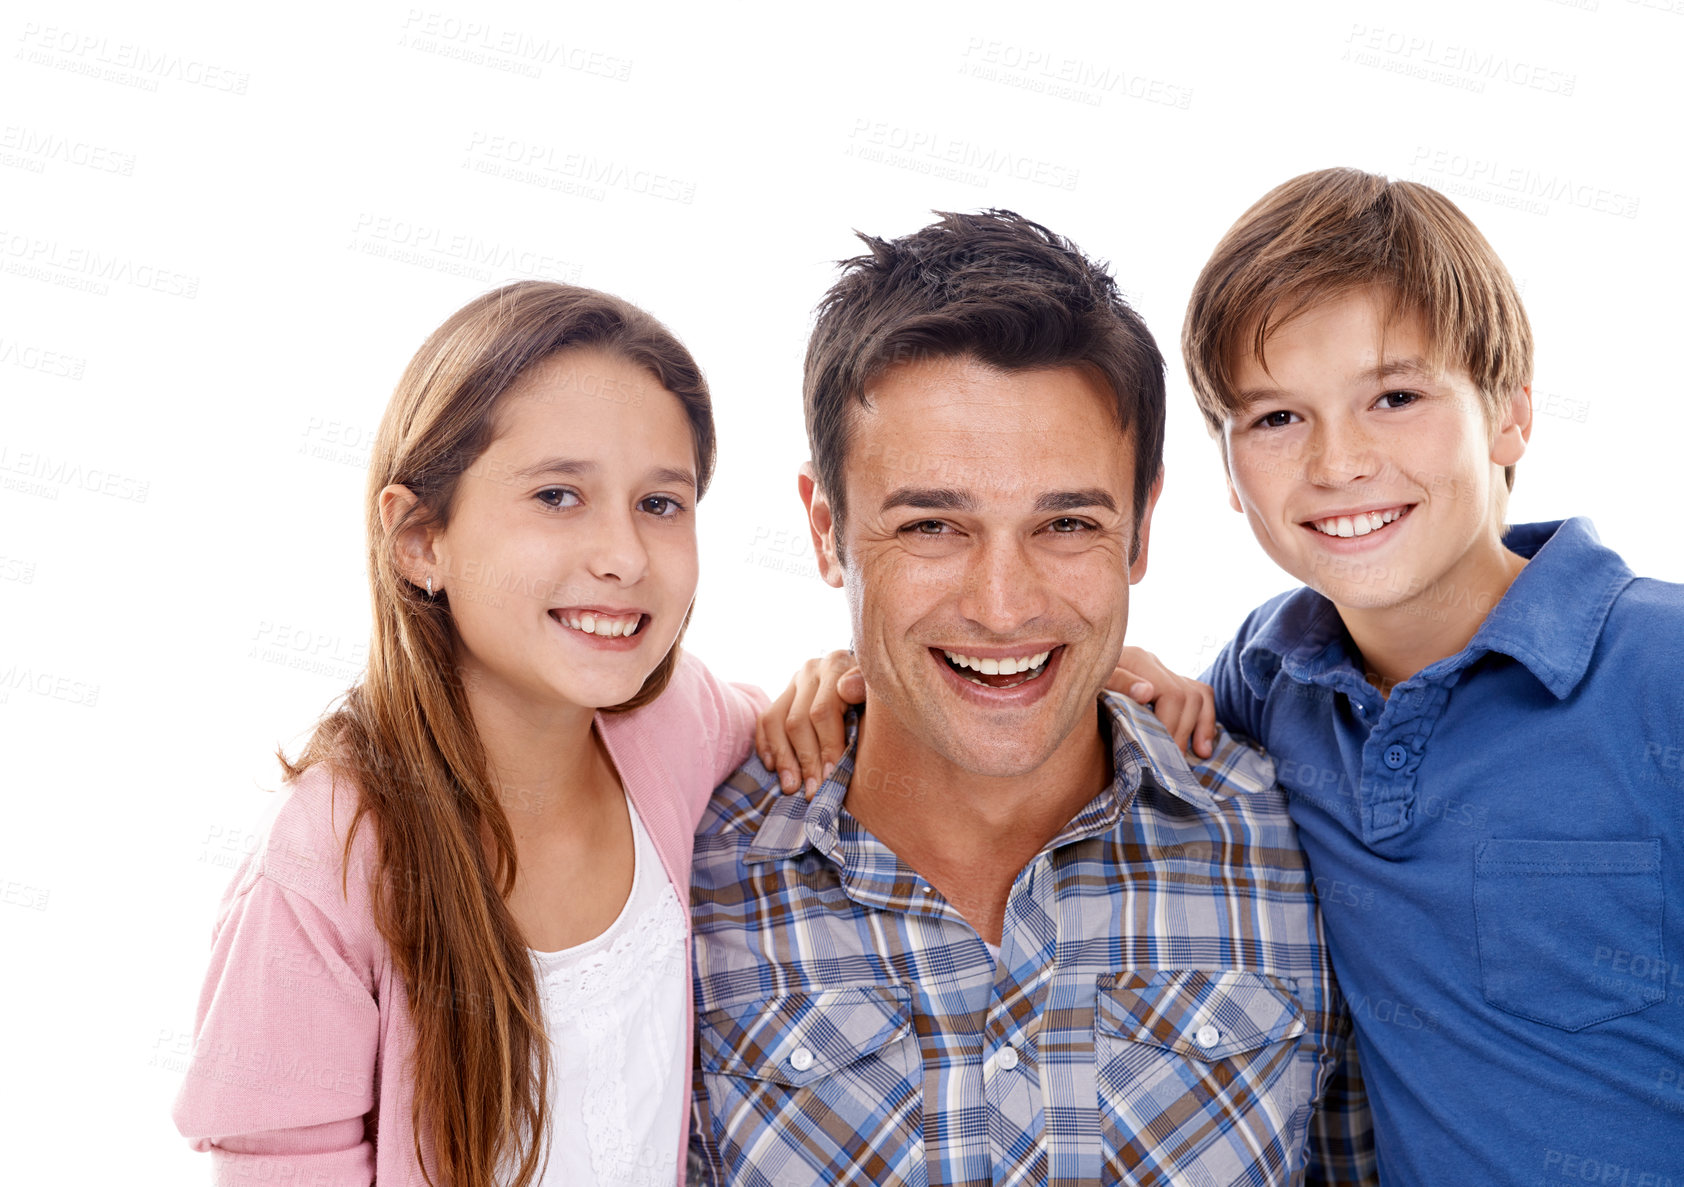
column 1364, row 474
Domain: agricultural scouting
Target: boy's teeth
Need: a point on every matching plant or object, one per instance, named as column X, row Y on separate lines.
column 1357, row 525
column 997, row 667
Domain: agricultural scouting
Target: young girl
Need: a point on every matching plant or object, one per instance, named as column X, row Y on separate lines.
column 461, row 956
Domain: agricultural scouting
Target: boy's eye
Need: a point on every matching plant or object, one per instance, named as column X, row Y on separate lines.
column 558, row 496
column 1278, row 419
column 1398, row 399
column 663, row 505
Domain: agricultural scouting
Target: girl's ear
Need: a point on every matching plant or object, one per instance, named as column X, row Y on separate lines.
column 411, row 544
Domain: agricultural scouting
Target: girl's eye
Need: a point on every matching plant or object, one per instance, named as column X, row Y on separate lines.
column 558, row 496
column 1278, row 419
column 663, row 505
column 1398, row 399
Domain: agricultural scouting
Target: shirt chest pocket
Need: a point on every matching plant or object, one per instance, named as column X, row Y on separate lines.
column 1569, row 931
column 1202, row 1076
column 831, row 1078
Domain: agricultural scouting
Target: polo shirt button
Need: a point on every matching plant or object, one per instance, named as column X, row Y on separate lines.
column 1395, row 756
column 1208, row 1035
column 801, row 1059
column 1008, row 1057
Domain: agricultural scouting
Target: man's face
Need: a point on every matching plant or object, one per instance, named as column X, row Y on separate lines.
column 1363, row 473
column 987, row 532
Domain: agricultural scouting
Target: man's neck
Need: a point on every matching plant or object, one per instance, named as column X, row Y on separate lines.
column 967, row 834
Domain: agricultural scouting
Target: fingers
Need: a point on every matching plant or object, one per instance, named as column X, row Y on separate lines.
column 825, row 718
column 799, row 729
column 771, row 734
column 1132, row 685
column 1204, row 736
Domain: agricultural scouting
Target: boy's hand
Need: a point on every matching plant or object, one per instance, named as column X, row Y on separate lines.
column 801, row 736
column 1185, row 706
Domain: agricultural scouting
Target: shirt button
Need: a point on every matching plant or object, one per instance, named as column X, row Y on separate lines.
column 1207, row 1036
column 1008, row 1058
column 801, row 1059
column 1395, row 756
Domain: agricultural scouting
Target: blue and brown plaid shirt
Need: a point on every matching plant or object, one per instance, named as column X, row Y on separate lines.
column 1161, row 1010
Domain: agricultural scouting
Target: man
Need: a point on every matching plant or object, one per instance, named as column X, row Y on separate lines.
column 1013, row 937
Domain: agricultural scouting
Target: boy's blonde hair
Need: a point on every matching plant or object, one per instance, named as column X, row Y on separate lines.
column 1325, row 234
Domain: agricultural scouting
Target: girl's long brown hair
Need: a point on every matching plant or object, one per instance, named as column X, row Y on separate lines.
column 406, row 739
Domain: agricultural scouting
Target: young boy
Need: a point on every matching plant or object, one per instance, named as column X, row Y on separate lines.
column 1472, row 721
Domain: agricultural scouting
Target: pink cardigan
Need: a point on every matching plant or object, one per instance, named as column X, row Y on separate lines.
column 303, row 1031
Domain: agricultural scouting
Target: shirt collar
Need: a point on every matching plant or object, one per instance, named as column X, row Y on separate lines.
column 1144, row 758
column 1549, row 620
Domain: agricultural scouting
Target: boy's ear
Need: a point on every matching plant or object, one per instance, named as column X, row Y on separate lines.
column 1234, row 496
column 1514, row 428
column 821, row 525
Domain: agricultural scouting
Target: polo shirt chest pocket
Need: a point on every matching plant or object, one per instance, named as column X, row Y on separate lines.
column 835, row 1074
column 1569, row 931
column 1202, row 1076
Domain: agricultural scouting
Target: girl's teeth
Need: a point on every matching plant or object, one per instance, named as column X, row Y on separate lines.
column 603, row 627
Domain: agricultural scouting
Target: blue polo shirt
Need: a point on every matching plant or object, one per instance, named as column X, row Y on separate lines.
column 1499, row 852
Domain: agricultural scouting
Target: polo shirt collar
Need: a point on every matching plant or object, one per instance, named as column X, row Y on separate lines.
column 1549, row 620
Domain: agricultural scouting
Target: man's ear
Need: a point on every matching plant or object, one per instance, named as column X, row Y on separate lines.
column 1143, row 529
column 1514, row 428
column 821, row 525
column 412, row 544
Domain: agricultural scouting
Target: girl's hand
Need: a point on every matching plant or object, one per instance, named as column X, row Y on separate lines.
column 801, row 736
column 1185, row 706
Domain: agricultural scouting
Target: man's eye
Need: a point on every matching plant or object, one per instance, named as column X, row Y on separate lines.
column 558, row 496
column 926, row 527
column 662, row 505
column 1398, row 399
column 1069, row 524
column 1277, row 419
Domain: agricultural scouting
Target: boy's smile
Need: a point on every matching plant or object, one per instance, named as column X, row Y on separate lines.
column 1369, row 475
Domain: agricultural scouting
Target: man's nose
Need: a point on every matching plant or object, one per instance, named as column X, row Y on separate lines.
column 1002, row 588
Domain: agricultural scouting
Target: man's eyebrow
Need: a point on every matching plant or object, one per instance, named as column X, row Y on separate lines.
column 1075, row 500
column 926, row 498
column 929, row 498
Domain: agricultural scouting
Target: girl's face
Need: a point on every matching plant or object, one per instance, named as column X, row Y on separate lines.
column 570, row 558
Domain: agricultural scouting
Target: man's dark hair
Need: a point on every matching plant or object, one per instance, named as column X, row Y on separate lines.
column 992, row 286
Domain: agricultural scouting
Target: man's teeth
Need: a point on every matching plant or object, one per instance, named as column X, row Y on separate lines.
column 601, row 624
column 997, row 667
column 1357, row 525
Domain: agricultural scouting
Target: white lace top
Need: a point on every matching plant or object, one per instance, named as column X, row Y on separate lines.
column 616, row 1008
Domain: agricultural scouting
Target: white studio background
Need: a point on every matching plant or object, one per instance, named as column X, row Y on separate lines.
column 223, row 231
